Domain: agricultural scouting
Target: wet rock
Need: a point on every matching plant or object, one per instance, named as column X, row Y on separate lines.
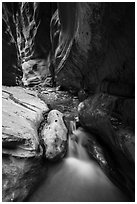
column 126, row 139
column 22, row 113
column 54, row 135
column 94, row 113
column 97, row 114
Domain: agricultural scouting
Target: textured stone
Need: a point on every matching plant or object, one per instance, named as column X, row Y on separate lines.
column 34, row 71
column 90, row 41
column 98, row 45
column 94, row 114
column 20, row 176
column 26, row 37
column 98, row 114
column 21, row 117
column 54, row 135
column 22, row 113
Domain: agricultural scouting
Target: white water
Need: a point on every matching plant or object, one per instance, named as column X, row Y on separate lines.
column 77, row 178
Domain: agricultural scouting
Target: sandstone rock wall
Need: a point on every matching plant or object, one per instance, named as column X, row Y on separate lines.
column 102, row 48
column 85, row 42
column 26, row 28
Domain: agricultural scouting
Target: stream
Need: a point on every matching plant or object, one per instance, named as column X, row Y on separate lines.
column 77, row 178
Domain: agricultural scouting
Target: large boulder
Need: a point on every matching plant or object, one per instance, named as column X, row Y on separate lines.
column 21, row 117
column 54, row 135
column 22, row 113
column 99, row 114
column 95, row 111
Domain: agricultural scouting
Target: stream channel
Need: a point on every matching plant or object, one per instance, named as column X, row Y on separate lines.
column 77, row 178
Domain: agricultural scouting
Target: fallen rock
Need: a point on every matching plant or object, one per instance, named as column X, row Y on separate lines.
column 22, row 113
column 54, row 135
column 97, row 113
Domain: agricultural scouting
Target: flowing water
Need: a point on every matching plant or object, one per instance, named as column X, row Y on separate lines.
column 77, row 178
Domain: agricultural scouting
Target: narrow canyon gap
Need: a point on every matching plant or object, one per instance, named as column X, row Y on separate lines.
column 68, row 101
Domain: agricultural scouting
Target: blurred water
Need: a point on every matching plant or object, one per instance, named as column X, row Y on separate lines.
column 77, row 178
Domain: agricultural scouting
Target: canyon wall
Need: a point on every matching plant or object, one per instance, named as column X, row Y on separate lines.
column 82, row 44
column 25, row 39
column 102, row 45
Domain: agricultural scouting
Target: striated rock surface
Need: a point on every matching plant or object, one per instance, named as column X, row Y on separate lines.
column 26, row 38
column 54, row 135
column 95, row 42
column 83, row 43
column 21, row 117
column 22, row 113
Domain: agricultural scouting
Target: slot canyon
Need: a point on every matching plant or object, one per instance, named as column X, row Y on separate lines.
column 68, row 101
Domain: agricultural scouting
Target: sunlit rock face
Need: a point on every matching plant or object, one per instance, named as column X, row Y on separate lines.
column 26, row 26
column 34, row 71
column 95, row 42
column 54, row 135
column 22, row 114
